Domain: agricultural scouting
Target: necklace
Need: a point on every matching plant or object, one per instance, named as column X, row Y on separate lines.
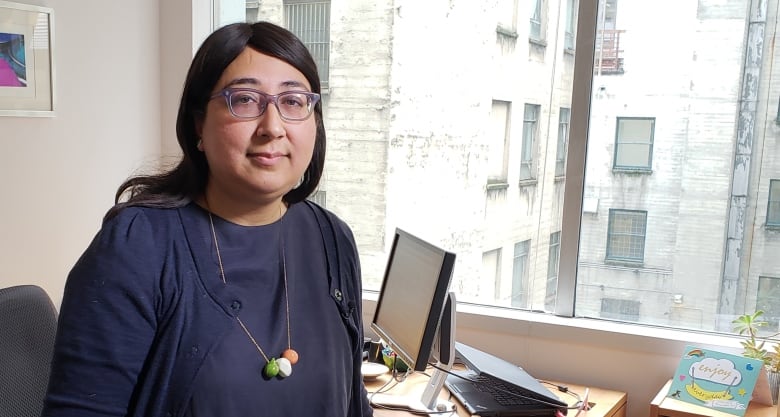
column 282, row 366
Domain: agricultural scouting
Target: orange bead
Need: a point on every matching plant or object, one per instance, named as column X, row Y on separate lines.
column 291, row 356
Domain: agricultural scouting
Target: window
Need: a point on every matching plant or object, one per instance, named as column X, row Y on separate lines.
column 563, row 141
column 625, row 310
column 507, row 15
column 520, row 275
column 626, row 235
column 552, row 270
column 310, row 20
column 773, row 207
column 530, row 130
column 491, row 270
column 499, row 142
column 319, row 197
column 634, row 143
column 411, row 123
column 536, row 20
column 571, row 20
column 769, row 302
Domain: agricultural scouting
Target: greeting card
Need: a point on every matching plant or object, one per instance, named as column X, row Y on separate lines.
column 716, row 380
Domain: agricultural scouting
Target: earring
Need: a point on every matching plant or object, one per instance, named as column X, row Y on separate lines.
column 200, row 145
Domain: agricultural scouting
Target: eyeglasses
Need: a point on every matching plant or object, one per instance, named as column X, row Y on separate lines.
column 246, row 103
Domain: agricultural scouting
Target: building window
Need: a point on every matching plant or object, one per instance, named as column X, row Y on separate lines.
column 310, row 21
column 571, row 19
column 768, row 301
column 552, row 270
column 530, row 132
column 498, row 159
column 491, row 270
column 507, row 15
column 617, row 309
column 318, row 197
column 563, row 141
column 634, row 143
column 520, row 296
column 536, row 20
column 773, row 207
column 626, row 235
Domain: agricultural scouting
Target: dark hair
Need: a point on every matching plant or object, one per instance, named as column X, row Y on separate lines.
column 187, row 180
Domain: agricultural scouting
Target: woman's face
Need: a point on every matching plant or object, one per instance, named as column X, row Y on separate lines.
column 256, row 161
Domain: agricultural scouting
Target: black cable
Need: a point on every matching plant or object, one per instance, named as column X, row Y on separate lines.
column 564, row 389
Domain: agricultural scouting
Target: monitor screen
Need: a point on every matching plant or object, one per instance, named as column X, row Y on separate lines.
column 412, row 298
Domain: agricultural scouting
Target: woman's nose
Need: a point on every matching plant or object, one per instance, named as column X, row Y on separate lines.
column 270, row 124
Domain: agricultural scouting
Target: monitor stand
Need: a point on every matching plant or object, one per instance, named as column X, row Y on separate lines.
column 410, row 403
column 444, row 352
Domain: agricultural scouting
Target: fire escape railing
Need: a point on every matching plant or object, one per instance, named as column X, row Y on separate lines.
column 609, row 56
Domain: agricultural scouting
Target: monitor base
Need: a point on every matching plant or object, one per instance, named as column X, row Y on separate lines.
column 404, row 402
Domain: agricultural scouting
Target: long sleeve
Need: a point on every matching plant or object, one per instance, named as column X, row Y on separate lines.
column 107, row 322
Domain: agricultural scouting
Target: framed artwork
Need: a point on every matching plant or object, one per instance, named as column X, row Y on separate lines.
column 26, row 60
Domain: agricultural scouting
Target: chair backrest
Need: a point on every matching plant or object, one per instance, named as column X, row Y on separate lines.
column 28, row 324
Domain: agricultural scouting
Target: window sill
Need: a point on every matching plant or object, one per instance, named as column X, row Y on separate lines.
column 537, row 42
column 509, row 33
column 497, row 185
column 632, row 171
column 527, row 183
column 625, row 262
column 560, row 178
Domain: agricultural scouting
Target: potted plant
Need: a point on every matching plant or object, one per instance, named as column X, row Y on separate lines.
column 755, row 346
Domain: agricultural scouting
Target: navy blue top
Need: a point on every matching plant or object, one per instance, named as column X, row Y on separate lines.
column 147, row 328
column 230, row 382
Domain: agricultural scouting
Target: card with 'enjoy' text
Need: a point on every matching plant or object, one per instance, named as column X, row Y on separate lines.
column 715, row 380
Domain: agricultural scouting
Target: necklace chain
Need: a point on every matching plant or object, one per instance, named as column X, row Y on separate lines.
column 224, row 281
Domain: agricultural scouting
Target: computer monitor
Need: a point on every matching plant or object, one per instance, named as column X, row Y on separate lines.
column 415, row 312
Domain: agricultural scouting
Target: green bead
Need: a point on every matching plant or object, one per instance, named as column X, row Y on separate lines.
column 271, row 369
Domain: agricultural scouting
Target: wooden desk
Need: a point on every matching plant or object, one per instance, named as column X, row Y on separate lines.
column 608, row 403
column 663, row 406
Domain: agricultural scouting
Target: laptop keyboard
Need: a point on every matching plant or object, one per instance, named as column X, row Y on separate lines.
column 504, row 394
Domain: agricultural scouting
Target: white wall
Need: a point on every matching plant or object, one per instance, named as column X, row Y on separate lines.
column 119, row 68
column 59, row 174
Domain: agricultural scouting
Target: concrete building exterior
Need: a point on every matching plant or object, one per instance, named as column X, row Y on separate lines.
column 414, row 141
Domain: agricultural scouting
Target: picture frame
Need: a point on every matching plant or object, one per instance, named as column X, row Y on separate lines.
column 26, row 60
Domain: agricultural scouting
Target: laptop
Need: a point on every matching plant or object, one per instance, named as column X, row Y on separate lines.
column 534, row 399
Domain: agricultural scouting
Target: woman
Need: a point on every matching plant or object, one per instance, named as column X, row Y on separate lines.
column 215, row 289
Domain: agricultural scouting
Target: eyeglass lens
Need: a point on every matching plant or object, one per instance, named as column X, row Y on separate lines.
column 291, row 105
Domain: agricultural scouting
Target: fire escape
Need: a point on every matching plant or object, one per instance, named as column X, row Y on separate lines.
column 609, row 56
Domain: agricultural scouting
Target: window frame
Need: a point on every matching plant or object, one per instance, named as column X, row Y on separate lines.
column 609, row 256
column 511, row 27
column 563, row 141
column 502, row 177
column 321, row 54
column 536, row 23
column 530, row 132
column 571, row 25
column 554, row 248
column 618, row 144
column 521, row 253
column 773, row 199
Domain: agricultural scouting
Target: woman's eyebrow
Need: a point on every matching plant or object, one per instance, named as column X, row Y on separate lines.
column 256, row 82
column 252, row 81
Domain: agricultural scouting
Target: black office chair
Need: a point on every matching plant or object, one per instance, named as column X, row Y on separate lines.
column 28, row 324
